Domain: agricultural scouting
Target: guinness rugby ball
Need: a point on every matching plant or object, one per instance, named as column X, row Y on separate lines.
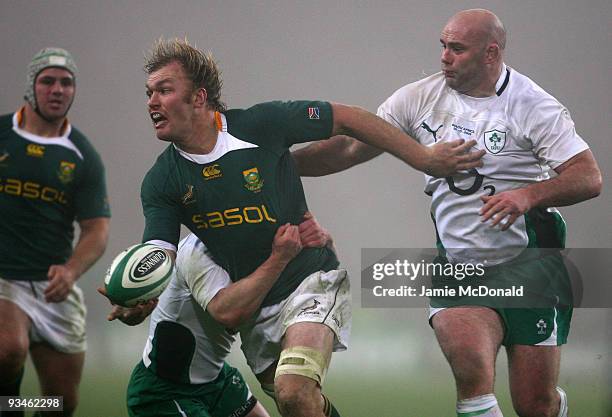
column 138, row 274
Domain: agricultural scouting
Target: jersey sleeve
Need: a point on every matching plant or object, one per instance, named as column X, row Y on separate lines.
column 400, row 109
column 91, row 198
column 160, row 207
column 553, row 134
column 202, row 275
column 282, row 124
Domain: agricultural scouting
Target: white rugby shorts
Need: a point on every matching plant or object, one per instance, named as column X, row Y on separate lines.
column 323, row 297
column 61, row 325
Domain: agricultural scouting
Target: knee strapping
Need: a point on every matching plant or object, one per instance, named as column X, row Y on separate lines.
column 304, row 361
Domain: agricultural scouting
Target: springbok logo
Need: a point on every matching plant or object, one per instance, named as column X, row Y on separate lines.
column 309, row 310
column 188, row 197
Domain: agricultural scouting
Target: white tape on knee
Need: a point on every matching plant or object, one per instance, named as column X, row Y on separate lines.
column 304, row 361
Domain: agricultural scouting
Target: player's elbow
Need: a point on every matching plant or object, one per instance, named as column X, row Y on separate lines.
column 596, row 184
column 226, row 316
column 594, row 181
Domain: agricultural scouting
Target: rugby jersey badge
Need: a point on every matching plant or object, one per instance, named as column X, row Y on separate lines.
column 211, row 172
column 494, row 140
column 313, row 113
column 4, row 156
column 188, row 197
column 253, row 181
column 66, row 171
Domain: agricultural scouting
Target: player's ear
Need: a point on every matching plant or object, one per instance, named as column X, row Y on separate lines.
column 200, row 97
column 492, row 52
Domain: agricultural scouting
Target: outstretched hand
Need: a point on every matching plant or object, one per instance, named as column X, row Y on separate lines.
column 130, row 315
column 449, row 157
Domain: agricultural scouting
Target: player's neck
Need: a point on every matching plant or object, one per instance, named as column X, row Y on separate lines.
column 203, row 137
column 32, row 122
column 487, row 87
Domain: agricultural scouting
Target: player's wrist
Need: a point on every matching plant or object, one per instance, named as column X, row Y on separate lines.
column 278, row 261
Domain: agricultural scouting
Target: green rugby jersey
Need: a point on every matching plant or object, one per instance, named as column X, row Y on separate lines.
column 235, row 197
column 45, row 185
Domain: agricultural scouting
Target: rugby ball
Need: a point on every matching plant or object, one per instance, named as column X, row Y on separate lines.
column 138, row 274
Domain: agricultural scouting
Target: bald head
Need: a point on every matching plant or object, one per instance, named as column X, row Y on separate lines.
column 480, row 25
column 473, row 42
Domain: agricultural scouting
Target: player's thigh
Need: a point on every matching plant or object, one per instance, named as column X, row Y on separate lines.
column 258, row 411
column 183, row 407
column 476, row 331
column 14, row 339
column 59, row 372
column 232, row 396
column 533, row 372
column 321, row 302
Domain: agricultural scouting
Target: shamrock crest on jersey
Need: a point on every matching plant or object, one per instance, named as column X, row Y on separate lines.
column 541, row 325
column 495, row 140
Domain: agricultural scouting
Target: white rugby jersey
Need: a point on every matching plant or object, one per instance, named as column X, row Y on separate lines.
column 525, row 132
column 190, row 347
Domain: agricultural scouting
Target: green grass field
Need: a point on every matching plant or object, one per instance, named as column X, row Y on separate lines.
column 393, row 368
column 357, row 395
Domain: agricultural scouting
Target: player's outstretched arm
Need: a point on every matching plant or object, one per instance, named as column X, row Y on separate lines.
column 579, row 179
column 234, row 304
column 332, row 155
column 439, row 160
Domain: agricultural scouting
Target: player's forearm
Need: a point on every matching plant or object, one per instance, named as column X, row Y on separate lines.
column 374, row 131
column 233, row 305
column 580, row 180
column 332, row 155
column 91, row 245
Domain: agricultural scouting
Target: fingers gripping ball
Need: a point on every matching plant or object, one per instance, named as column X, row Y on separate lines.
column 138, row 274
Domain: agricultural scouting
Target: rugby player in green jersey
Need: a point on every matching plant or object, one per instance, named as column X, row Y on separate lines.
column 497, row 215
column 198, row 311
column 50, row 176
column 228, row 176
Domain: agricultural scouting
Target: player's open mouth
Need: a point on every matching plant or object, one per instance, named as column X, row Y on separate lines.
column 158, row 119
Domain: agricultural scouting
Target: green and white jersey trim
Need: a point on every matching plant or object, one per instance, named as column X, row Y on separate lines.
column 205, row 344
column 225, row 143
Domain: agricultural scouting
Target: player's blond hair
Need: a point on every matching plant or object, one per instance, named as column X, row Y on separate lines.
column 200, row 67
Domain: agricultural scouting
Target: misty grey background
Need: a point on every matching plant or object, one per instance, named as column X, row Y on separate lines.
column 355, row 52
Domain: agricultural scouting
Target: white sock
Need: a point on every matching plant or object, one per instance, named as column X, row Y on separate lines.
column 563, row 408
column 481, row 406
